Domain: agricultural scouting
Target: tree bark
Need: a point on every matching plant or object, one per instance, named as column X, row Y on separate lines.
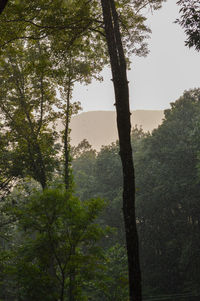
column 118, row 67
column 3, row 5
column 66, row 140
column 72, row 271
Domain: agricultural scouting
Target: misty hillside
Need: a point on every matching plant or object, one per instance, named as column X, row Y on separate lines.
column 99, row 127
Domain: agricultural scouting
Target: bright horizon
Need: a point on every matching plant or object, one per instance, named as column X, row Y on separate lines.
column 157, row 80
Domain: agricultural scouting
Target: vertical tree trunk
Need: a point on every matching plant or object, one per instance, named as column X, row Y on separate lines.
column 72, row 271
column 118, row 67
column 72, row 278
column 66, row 140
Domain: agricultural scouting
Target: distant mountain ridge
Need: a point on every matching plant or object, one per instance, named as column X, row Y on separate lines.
column 99, row 127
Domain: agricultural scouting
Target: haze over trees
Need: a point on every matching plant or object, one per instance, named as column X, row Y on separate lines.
column 37, row 226
column 167, row 198
column 105, row 133
column 62, row 235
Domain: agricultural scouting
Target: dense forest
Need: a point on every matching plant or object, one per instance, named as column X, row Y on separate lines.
column 168, row 211
column 69, row 216
column 41, row 230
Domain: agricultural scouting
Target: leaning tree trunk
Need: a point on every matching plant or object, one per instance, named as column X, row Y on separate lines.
column 118, row 67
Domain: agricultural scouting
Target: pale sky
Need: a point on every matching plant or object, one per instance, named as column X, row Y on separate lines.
column 155, row 81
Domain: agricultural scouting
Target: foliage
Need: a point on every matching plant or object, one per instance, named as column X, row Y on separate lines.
column 27, row 104
column 113, row 284
column 50, row 242
column 167, row 206
column 68, row 23
column 190, row 21
column 167, row 189
column 83, row 165
column 55, row 233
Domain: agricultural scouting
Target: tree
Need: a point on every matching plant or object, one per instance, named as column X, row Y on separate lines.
column 72, row 69
column 120, row 82
column 49, row 225
column 26, row 107
column 190, row 21
column 8, row 168
column 167, row 200
column 118, row 67
column 3, row 4
column 113, row 284
column 90, row 25
column 83, row 169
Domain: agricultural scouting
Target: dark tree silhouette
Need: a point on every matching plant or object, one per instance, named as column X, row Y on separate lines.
column 118, row 67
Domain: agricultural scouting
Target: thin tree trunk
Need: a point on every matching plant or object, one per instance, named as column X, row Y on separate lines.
column 72, row 279
column 66, row 140
column 62, row 289
column 118, row 67
column 72, row 271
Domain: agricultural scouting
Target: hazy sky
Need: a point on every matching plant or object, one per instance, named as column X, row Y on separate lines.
column 155, row 81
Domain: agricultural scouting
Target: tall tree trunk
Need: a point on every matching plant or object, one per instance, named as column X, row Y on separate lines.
column 118, row 67
column 72, row 272
column 66, row 140
column 72, row 278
